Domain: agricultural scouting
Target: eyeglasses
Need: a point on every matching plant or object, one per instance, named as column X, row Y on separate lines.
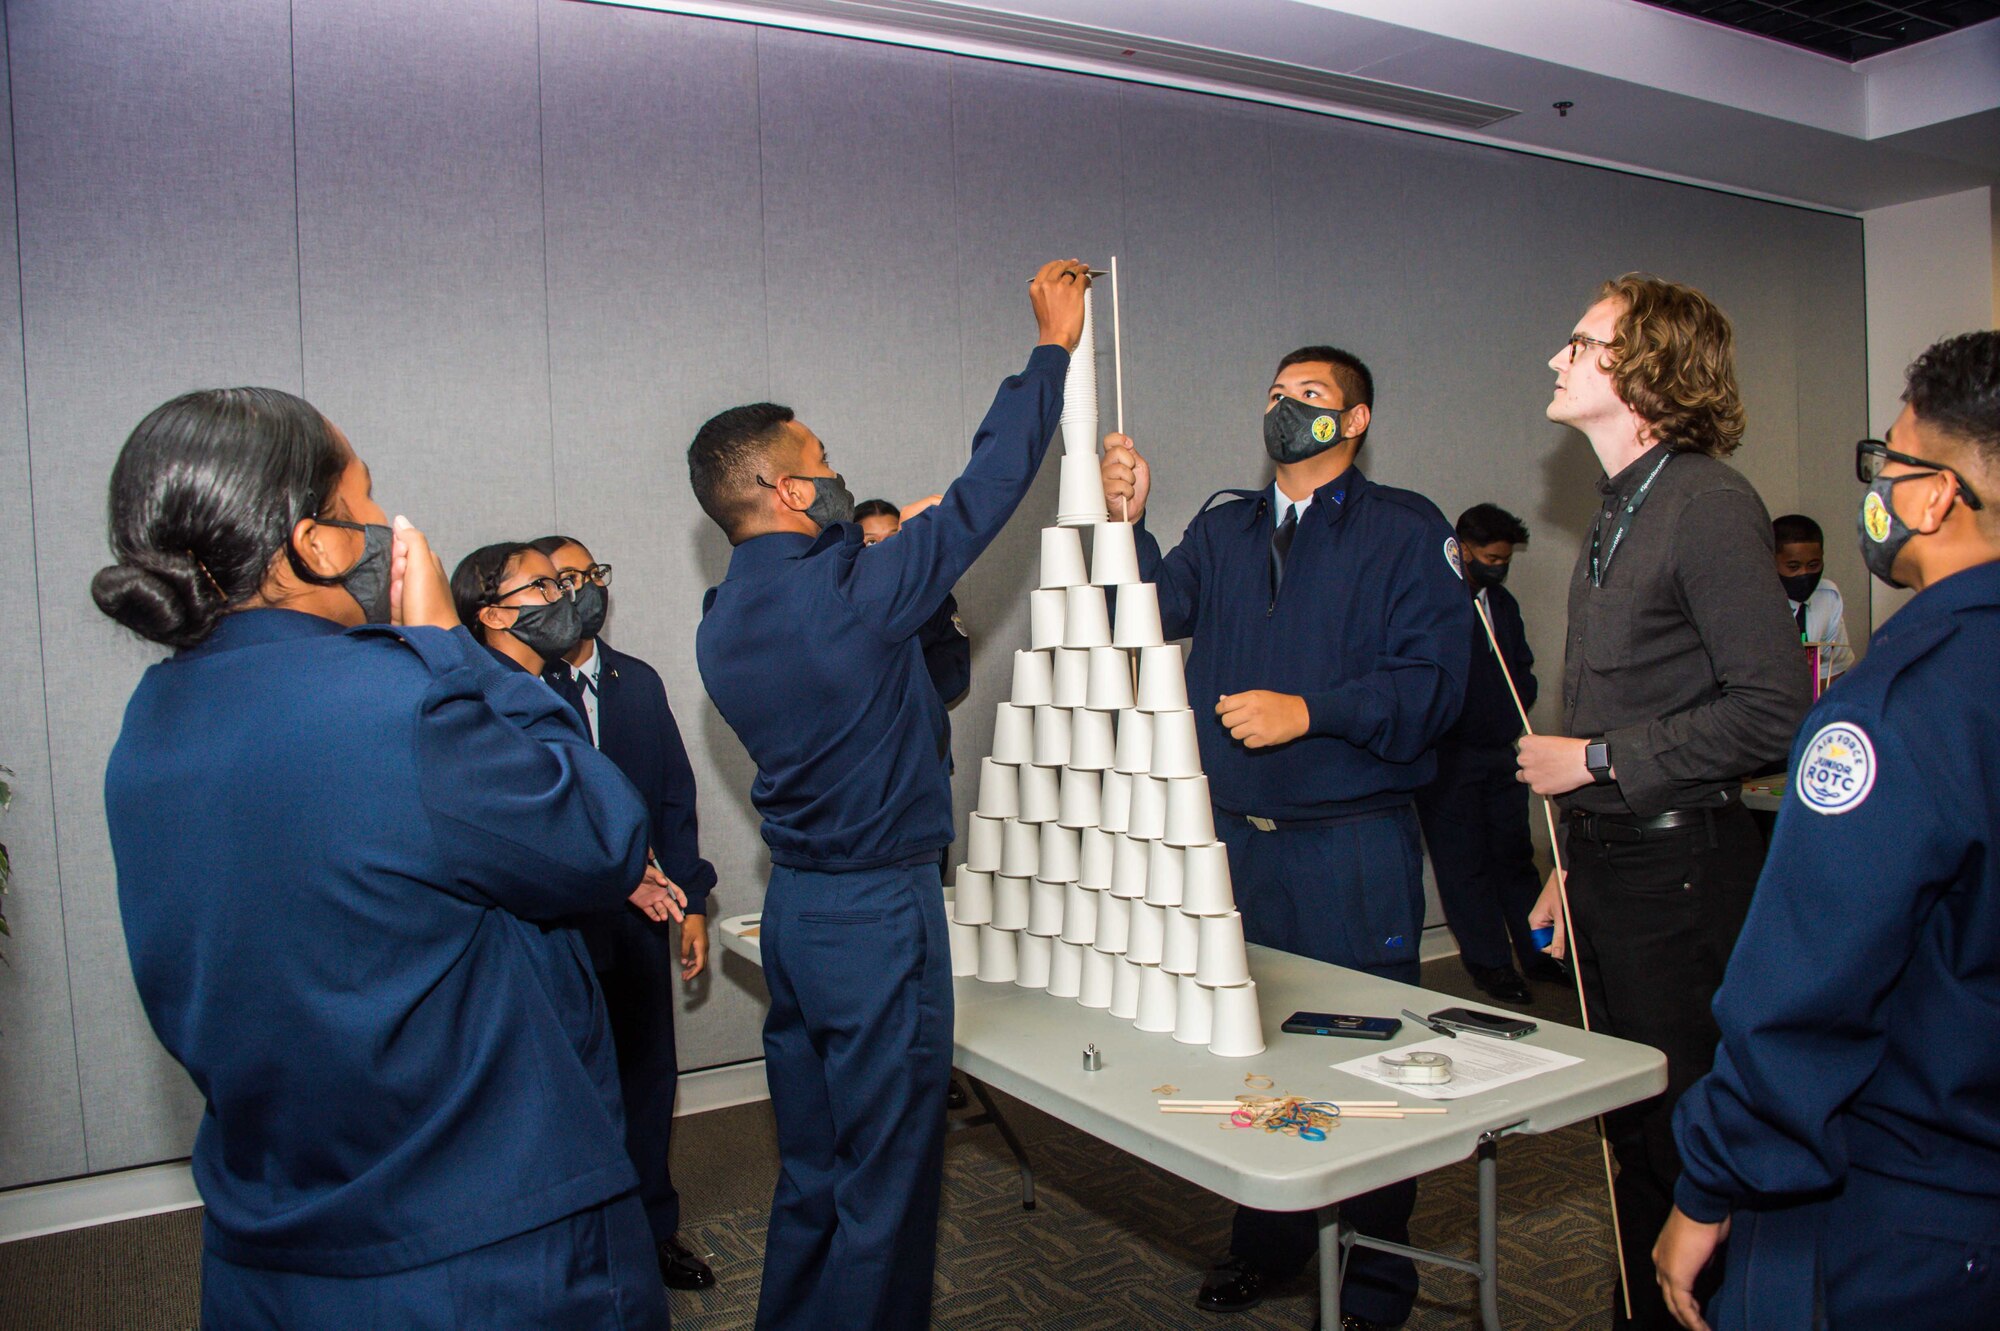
column 597, row 573
column 1870, row 454
column 1578, row 341
column 550, row 590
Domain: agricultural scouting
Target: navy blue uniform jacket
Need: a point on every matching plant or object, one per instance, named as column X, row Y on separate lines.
column 1371, row 628
column 1860, row 1014
column 335, row 853
column 947, row 652
column 809, row 648
column 1489, row 720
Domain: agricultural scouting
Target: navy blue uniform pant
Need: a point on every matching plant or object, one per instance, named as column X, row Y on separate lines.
column 1351, row 894
column 592, row 1271
column 858, row 1054
column 638, row 966
column 1656, row 921
column 1475, row 819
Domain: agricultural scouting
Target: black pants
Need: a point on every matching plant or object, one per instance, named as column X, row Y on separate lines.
column 1655, row 923
column 1475, row 819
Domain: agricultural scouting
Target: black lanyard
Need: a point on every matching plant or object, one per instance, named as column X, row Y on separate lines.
column 1598, row 568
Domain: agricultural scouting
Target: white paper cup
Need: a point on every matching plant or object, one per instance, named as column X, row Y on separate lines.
column 1175, row 751
column 972, row 897
column 1162, row 682
column 1034, row 679
column 999, row 789
column 1190, row 817
column 1109, row 688
column 1114, row 924
column 1080, row 496
column 1071, row 685
column 1146, row 941
column 1237, row 1026
column 1100, row 969
column 1058, row 856
column 1114, row 555
column 1125, row 988
column 1092, row 740
column 1041, row 794
column 1159, row 1000
column 1135, row 743
column 1079, row 914
column 1062, row 557
column 1163, row 875
column 997, row 961
column 1149, row 808
column 1045, row 908
column 1051, row 736
column 1046, row 607
column 1033, row 955
column 1013, row 735
column 1117, row 802
column 983, row 840
column 1080, row 435
column 1066, row 969
column 1183, row 950
column 1082, row 799
column 1223, row 961
column 1137, row 621
column 1194, row 1011
column 1129, row 861
column 1086, row 620
column 1093, row 858
column 1205, row 880
column 964, row 947
column 1020, row 852
column 1010, row 902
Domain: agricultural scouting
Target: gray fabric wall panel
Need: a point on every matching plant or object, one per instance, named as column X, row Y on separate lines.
column 1831, row 340
column 154, row 160
column 420, row 247
column 41, row 1097
column 656, row 321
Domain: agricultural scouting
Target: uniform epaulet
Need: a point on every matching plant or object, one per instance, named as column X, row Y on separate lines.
column 1229, row 494
column 1889, row 657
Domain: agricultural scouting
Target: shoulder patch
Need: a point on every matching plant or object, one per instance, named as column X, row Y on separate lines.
column 1837, row 770
column 1451, row 557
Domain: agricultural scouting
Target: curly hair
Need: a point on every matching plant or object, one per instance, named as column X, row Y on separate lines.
column 1955, row 385
column 1673, row 360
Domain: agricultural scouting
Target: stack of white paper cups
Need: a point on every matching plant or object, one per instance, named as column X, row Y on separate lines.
column 1079, row 412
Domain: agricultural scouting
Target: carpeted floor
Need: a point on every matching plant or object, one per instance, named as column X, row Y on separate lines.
column 1114, row 1244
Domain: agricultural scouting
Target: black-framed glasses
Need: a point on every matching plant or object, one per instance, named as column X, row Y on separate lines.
column 550, row 590
column 1578, row 341
column 597, row 573
column 1871, row 454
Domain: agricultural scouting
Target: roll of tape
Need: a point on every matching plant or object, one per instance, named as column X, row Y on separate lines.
column 1420, row 1068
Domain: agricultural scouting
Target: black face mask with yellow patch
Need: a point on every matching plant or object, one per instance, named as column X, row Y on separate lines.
column 1295, row 431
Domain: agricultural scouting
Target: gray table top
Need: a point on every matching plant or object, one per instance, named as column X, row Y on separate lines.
column 1030, row 1045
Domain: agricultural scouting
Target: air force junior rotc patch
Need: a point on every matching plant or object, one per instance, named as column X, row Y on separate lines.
column 1838, row 769
column 1325, row 428
column 1451, row 557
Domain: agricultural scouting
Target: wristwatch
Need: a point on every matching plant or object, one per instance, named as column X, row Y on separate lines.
column 1597, row 760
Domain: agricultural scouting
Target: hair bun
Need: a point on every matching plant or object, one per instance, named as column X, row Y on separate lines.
column 164, row 598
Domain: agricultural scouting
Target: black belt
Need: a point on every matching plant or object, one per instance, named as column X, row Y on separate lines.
column 1628, row 829
column 1313, row 824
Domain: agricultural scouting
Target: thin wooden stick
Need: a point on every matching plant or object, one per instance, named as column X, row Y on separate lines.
column 1117, row 349
column 1575, row 962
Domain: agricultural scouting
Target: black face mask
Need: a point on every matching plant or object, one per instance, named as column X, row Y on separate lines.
column 1481, row 574
column 1295, row 431
column 549, row 629
column 367, row 581
column 832, row 500
column 593, row 603
column 1800, row 586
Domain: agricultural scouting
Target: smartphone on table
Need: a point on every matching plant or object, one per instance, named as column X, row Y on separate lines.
column 1484, row 1023
column 1334, row 1023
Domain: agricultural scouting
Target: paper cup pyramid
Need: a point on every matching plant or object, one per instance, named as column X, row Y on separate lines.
column 1092, row 868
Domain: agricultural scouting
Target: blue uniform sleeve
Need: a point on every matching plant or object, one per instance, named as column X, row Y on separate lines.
column 1417, row 689
column 531, row 817
column 1176, row 576
column 677, row 827
column 947, row 652
column 897, row 585
column 1846, row 889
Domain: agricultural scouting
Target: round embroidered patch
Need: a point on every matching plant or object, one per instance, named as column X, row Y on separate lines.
column 1875, row 517
column 1324, row 428
column 1451, row 556
column 1838, row 769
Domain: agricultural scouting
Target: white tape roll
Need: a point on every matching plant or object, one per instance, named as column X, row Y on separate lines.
column 1418, row 1069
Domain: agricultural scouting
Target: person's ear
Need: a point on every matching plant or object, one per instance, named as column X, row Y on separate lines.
column 315, row 548
column 788, row 491
column 1357, row 422
column 1939, row 493
column 495, row 617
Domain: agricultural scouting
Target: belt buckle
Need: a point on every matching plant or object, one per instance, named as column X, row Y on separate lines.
column 1261, row 824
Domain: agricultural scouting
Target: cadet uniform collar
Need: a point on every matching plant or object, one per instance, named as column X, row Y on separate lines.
column 255, row 628
column 1979, row 585
column 760, row 554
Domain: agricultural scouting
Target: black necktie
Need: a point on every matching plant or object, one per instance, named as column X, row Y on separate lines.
column 1281, row 545
column 567, row 684
column 1802, row 621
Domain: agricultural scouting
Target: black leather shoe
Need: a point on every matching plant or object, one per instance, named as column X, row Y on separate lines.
column 1230, row 1288
column 681, row 1269
column 1554, row 970
column 954, row 1095
column 1501, row 982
